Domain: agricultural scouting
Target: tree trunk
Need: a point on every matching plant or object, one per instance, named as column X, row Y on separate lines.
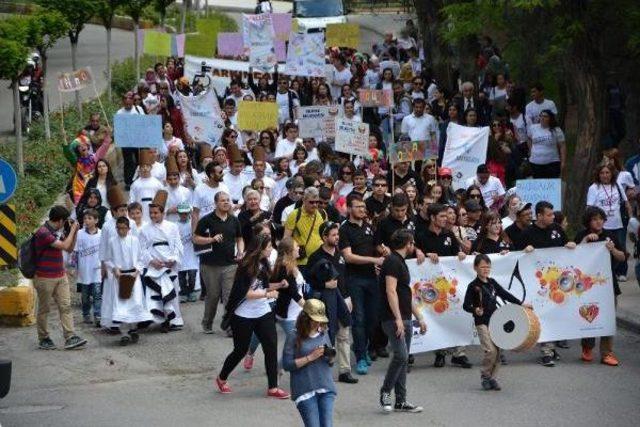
column 183, row 19
column 45, row 97
column 162, row 18
column 436, row 52
column 74, row 53
column 109, row 95
column 136, row 54
column 206, row 8
column 17, row 114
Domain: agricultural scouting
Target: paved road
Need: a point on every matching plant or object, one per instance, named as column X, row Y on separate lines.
column 92, row 51
column 167, row 380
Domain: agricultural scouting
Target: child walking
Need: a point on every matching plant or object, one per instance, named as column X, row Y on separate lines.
column 87, row 255
column 481, row 301
column 188, row 271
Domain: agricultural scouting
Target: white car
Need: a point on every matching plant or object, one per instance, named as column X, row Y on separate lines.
column 314, row 15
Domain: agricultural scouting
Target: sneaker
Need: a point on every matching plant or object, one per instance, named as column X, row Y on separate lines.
column 135, row 337
column 486, row 384
column 503, row 359
column 368, row 359
column 407, row 407
column 610, row 359
column 207, row 331
column 184, row 298
column 494, row 384
column 382, row 352
column 74, row 342
column 411, row 360
column 97, row 322
column 439, row 362
column 193, row 297
column 461, row 361
column 373, row 355
column 347, row 378
column 622, row 278
column 562, row 344
column 125, row 340
column 278, row 393
column 46, row 344
column 385, row 402
column 223, row 386
column 556, row 355
column 548, row 361
column 587, row 355
column 87, row 319
column 248, row 362
column 362, row 368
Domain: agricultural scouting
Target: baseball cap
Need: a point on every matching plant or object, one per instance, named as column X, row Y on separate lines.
column 183, row 208
column 314, row 308
column 327, row 226
column 445, row 172
column 522, row 206
column 472, row 205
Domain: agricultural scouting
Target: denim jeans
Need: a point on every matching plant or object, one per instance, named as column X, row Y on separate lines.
column 318, row 410
column 365, row 299
column 91, row 292
column 396, row 377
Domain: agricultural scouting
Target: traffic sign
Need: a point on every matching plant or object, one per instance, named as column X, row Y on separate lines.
column 8, row 181
column 8, row 243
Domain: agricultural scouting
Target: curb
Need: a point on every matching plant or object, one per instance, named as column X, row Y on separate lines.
column 629, row 323
column 17, row 304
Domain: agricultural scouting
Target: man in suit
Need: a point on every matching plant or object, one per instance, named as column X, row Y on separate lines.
column 470, row 100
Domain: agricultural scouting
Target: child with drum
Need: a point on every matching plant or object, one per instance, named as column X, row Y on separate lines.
column 481, row 301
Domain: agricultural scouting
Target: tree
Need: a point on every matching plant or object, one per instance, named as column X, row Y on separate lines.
column 44, row 29
column 161, row 7
column 14, row 51
column 106, row 12
column 134, row 9
column 77, row 13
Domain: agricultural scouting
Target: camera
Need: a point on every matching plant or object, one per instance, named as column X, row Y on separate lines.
column 329, row 352
column 67, row 226
column 204, row 68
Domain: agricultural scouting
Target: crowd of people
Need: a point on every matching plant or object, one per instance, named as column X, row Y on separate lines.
column 287, row 231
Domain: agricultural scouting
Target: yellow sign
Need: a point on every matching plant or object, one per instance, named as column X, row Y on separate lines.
column 343, row 35
column 8, row 244
column 257, row 115
column 157, row 43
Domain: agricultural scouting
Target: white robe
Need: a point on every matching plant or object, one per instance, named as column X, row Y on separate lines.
column 162, row 242
column 176, row 196
column 124, row 254
column 143, row 190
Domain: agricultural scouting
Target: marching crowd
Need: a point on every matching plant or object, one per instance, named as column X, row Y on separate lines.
column 286, row 231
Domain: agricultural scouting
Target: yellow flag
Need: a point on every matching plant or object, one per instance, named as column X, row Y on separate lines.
column 257, row 115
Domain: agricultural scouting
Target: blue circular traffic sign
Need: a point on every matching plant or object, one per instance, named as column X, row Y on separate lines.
column 8, row 181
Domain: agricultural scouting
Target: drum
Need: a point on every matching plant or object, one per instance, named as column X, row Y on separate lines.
column 513, row 327
column 125, row 287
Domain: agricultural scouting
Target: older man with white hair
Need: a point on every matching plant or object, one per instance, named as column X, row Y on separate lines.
column 470, row 100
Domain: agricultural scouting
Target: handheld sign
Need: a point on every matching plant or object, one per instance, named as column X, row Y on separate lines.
column 409, row 151
column 537, row 190
column 375, row 98
column 8, row 181
column 137, row 131
column 75, row 80
column 257, row 115
column 343, row 35
column 352, row 137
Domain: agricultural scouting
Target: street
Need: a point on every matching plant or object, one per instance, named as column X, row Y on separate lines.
column 168, row 380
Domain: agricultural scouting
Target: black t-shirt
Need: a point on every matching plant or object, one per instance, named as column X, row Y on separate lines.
column 516, row 234
column 489, row 246
column 551, row 237
column 376, row 207
column 280, row 205
column 222, row 253
column 338, row 262
column 603, row 236
column 411, row 177
column 361, row 241
column 443, row 244
column 388, row 225
column 395, row 266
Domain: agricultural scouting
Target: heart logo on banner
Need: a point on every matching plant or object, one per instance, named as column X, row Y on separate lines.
column 589, row 312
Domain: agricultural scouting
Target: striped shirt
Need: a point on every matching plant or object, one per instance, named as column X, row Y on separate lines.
column 49, row 261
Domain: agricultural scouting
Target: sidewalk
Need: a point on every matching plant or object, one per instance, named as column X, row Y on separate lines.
column 628, row 311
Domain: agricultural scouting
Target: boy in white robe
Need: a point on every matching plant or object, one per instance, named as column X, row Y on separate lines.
column 145, row 187
column 188, row 272
column 177, row 193
column 161, row 255
column 124, row 258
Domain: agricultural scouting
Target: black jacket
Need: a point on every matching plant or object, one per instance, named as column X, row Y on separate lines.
column 241, row 284
column 480, row 294
column 285, row 295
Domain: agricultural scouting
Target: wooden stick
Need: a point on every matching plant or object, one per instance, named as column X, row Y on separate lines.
column 64, row 133
column 101, row 106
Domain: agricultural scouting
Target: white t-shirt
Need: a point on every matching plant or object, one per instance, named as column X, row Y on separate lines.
column 506, row 222
column 339, row 78
column 235, row 184
column 544, row 144
column 497, row 95
column 133, row 110
column 88, row 257
column 533, row 109
column 203, row 197
column 285, row 148
column 254, row 308
column 625, row 181
column 424, row 128
column 493, row 187
column 607, row 198
column 520, row 128
column 371, row 79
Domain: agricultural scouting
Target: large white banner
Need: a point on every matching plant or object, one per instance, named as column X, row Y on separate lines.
column 570, row 290
column 466, row 148
column 259, row 39
column 202, row 117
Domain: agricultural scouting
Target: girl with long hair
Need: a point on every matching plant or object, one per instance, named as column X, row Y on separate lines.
column 492, row 239
column 187, row 173
column 548, row 151
column 101, row 180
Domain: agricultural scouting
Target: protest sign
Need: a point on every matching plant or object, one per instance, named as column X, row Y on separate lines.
column 375, row 98
column 466, row 148
column 157, row 43
column 230, row 44
column 343, row 35
column 281, row 25
column 352, row 137
column 137, row 131
column 221, row 68
column 75, row 80
column 536, row 190
column 257, row 115
column 409, row 151
column 281, row 50
column 571, row 292
column 305, row 56
column 317, row 122
column 202, row 117
column 258, row 39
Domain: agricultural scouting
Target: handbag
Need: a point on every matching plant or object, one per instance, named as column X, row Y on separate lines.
column 624, row 214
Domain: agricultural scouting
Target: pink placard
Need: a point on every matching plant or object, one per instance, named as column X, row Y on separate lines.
column 281, row 50
column 281, row 25
column 230, row 44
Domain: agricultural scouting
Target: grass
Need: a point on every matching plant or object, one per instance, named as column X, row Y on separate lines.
column 205, row 41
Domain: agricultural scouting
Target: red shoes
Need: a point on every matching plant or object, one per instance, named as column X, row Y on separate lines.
column 278, row 393
column 587, row 355
column 223, row 386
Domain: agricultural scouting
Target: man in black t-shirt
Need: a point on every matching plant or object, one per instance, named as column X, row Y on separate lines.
column 516, row 230
column 217, row 236
column 359, row 251
column 378, row 202
column 397, row 308
column 545, row 233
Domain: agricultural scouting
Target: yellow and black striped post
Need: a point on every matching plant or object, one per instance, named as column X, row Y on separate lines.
column 8, row 243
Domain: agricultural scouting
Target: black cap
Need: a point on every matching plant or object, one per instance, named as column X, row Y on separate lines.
column 482, row 168
column 326, row 227
column 472, row 205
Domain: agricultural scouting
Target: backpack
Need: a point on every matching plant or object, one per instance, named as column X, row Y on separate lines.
column 27, row 258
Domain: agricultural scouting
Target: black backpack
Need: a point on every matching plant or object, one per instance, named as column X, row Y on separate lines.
column 27, row 258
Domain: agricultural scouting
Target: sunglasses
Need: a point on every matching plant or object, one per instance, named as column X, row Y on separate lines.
column 314, row 202
column 259, row 188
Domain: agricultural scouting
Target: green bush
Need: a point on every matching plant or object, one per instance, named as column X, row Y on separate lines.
column 123, row 74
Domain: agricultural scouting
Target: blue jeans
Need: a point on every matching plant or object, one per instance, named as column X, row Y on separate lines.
column 365, row 299
column 621, row 268
column 317, row 411
column 91, row 291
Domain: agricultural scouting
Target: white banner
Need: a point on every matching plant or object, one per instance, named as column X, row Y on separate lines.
column 466, row 148
column 571, row 292
column 202, row 117
column 221, row 68
column 352, row 137
column 259, row 37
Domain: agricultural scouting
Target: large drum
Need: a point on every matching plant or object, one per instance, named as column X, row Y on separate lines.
column 513, row 327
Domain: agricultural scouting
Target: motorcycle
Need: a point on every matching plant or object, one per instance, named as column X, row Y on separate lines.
column 30, row 102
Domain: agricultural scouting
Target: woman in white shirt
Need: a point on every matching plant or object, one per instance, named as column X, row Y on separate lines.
column 344, row 185
column 170, row 141
column 548, row 151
